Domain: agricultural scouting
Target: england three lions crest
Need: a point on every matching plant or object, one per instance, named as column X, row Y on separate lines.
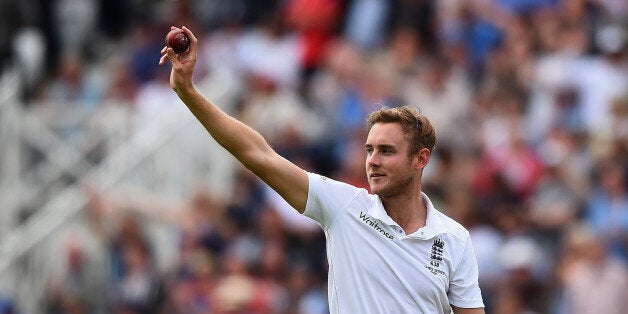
column 436, row 257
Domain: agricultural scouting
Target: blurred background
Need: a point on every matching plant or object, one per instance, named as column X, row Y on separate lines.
column 113, row 199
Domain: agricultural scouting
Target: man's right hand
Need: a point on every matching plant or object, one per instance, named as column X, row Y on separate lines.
column 182, row 64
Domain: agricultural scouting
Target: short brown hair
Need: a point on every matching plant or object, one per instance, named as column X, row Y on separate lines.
column 417, row 129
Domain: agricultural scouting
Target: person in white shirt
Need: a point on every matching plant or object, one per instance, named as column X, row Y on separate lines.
column 388, row 252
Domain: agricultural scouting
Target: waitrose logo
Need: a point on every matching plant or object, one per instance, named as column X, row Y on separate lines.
column 375, row 225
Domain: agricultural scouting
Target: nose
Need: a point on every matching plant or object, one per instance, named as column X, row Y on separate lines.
column 372, row 160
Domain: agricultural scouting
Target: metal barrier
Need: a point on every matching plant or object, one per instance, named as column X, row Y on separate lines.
column 9, row 155
column 48, row 154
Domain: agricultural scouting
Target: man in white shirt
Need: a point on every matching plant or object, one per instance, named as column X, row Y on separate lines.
column 388, row 252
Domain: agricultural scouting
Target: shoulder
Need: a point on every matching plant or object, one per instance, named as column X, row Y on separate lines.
column 452, row 227
column 328, row 197
column 331, row 186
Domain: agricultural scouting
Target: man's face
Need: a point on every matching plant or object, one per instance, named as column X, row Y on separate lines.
column 389, row 167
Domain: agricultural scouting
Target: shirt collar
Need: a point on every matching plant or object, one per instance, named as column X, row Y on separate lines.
column 433, row 225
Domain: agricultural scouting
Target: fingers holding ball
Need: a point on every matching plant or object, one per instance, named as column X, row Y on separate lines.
column 178, row 40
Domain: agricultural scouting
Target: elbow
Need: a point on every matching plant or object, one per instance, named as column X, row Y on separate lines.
column 258, row 161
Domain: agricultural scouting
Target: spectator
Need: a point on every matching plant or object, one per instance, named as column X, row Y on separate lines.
column 607, row 208
column 594, row 281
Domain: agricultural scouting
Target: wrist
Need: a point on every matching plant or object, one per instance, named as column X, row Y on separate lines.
column 187, row 93
column 184, row 90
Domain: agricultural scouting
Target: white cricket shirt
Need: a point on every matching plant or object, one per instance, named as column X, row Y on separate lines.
column 374, row 267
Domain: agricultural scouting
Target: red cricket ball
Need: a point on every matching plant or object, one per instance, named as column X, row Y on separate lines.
column 178, row 40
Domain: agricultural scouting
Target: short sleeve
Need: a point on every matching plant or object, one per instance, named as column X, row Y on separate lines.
column 464, row 290
column 326, row 198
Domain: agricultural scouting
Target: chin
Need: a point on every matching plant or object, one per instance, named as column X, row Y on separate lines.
column 385, row 190
column 378, row 190
column 374, row 188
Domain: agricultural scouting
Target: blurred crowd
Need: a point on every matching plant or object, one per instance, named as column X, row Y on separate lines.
column 529, row 99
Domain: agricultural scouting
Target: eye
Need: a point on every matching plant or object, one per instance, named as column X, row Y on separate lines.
column 369, row 150
column 387, row 150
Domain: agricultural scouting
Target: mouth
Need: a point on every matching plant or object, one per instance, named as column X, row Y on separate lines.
column 376, row 175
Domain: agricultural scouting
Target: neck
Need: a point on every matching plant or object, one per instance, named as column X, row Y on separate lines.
column 408, row 210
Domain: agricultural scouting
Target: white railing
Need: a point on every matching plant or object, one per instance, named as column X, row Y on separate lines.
column 9, row 155
column 153, row 157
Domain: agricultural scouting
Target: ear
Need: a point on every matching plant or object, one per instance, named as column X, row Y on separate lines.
column 421, row 158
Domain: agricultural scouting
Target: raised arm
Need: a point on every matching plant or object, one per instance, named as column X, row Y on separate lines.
column 244, row 143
